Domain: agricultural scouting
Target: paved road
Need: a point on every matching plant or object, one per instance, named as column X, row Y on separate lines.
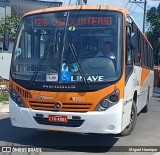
column 146, row 133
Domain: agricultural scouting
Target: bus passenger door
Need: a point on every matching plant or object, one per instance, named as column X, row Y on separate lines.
column 132, row 72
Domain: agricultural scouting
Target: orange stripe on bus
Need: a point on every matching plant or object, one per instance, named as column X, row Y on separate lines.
column 144, row 75
column 89, row 103
column 78, row 7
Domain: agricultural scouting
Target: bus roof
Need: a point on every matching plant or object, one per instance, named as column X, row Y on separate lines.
column 78, row 7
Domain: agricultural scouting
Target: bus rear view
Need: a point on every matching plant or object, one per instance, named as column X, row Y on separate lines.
column 59, row 80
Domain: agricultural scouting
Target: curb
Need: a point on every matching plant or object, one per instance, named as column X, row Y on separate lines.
column 4, row 108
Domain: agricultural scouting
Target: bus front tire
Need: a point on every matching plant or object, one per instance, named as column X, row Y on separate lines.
column 133, row 118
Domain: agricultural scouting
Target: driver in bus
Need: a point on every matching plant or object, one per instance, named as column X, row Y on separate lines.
column 107, row 51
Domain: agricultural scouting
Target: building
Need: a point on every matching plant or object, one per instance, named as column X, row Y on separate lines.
column 18, row 7
column 22, row 6
column 4, row 7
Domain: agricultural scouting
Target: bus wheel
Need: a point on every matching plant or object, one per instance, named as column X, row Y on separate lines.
column 133, row 118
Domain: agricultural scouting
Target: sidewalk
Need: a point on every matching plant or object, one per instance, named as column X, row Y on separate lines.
column 4, row 108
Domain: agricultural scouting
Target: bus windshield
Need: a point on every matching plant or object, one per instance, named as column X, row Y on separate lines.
column 70, row 46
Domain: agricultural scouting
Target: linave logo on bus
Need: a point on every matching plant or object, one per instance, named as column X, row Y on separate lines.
column 66, row 77
column 89, row 78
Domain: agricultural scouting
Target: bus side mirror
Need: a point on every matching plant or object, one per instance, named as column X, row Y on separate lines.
column 133, row 42
column 6, row 41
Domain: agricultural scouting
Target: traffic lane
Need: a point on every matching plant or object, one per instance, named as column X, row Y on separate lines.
column 147, row 130
column 146, row 133
column 10, row 135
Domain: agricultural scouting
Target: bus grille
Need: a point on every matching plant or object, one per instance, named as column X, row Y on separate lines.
column 23, row 92
column 71, row 122
column 66, row 107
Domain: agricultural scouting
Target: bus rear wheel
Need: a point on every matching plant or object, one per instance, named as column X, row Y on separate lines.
column 133, row 118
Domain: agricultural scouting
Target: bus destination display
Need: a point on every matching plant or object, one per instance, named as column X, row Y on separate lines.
column 81, row 21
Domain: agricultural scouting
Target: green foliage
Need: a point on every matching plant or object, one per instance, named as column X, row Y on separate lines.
column 153, row 34
column 4, row 96
column 11, row 23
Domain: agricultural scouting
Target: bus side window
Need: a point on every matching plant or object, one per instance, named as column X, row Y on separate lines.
column 130, row 46
column 129, row 59
column 137, row 50
column 142, row 51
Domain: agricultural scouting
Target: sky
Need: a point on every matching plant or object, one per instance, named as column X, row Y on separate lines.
column 135, row 10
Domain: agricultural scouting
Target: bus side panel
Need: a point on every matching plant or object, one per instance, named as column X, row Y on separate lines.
column 146, row 86
column 137, row 85
column 132, row 85
column 151, row 82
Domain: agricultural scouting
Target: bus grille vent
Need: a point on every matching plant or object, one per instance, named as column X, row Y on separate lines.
column 23, row 92
column 66, row 107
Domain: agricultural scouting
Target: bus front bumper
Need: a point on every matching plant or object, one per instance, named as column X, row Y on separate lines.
column 109, row 121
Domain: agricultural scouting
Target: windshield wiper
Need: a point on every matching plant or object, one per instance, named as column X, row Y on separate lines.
column 50, row 49
column 74, row 53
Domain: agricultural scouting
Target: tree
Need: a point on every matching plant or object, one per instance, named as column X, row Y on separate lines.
column 11, row 24
column 153, row 34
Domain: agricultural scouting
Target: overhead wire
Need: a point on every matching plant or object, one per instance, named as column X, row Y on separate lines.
column 140, row 6
column 130, row 7
column 134, row 9
column 127, row 4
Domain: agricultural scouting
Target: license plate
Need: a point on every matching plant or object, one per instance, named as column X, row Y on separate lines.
column 58, row 118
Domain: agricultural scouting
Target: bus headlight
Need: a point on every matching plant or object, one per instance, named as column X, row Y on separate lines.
column 104, row 104
column 108, row 101
column 16, row 98
column 114, row 98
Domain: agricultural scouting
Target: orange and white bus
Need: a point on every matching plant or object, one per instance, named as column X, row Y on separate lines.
column 58, row 81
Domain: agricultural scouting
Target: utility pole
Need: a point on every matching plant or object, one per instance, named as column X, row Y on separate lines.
column 144, row 13
column 144, row 16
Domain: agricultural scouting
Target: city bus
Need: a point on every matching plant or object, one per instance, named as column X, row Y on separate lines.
column 58, row 82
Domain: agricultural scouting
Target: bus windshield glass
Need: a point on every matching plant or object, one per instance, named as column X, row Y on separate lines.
column 69, row 46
